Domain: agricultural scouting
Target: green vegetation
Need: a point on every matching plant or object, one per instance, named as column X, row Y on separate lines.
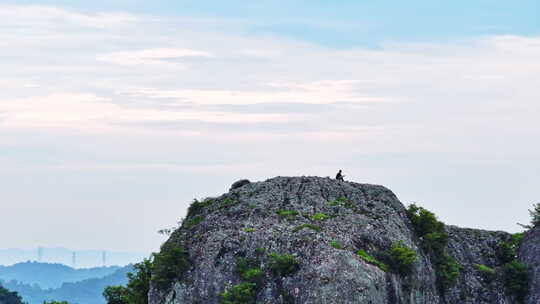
column 169, row 264
column 249, row 229
column 196, row 206
column 253, row 275
column 434, row 241
column 136, row 291
column 514, row 274
column 515, row 277
column 249, row 270
column 9, row 297
column 139, row 282
column 424, row 221
column 447, row 270
column 336, row 245
column 487, row 273
column 371, row 260
column 288, row 214
column 53, row 302
column 283, row 264
column 535, row 215
column 320, row 217
column 309, row 226
column 228, row 202
column 116, row 295
column 162, row 270
column 260, row 250
column 339, row 201
column 192, row 222
column 400, row 258
column 507, row 251
column 243, row 293
column 244, row 264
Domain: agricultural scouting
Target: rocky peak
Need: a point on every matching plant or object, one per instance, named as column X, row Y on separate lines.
column 318, row 240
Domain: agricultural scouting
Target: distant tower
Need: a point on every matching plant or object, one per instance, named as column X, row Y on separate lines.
column 74, row 259
column 40, row 254
column 104, row 258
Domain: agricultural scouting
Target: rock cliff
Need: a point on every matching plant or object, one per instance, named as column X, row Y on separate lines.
column 318, row 240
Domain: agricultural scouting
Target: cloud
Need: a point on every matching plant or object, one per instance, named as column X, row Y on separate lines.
column 186, row 105
column 150, row 56
column 92, row 113
column 31, row 16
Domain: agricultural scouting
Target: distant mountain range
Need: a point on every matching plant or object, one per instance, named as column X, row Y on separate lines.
column 47, row 276
column 83, row 258
column 39, row 282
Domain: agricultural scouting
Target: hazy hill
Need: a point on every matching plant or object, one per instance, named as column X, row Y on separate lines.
column 87, row 291
column 84, row 258
column 47, row 275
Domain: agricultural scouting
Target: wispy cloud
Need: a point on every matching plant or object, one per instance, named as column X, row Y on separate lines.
column 88, row 97
column 150, row 56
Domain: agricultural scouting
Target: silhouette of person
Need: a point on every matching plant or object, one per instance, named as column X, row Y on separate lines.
column 339, row 176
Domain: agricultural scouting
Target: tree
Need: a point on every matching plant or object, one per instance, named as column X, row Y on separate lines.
column 535, row 215
column 139, row 282
column 116, row 295
column 136, row 291
column 9, row 297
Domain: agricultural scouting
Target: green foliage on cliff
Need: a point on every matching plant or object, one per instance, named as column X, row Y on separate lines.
column 249, row 270
column 243, row 293
column 507, row 251
column 116, row 295
column 338, row 201
column 162, row 270
column 197, row 206
column 191, row 222
column 283, row 264
column 136, row 291
column 169, row 264
column 447, row 270
column 424, row 221
column 309, row 226
column 139, row 282
column 320, row 217
column 371, row 260
column 228, row 202
column 535, row 215
column 336, row 245
column 54, row 302
column 434, row 240
column 515, row 277
column 400, row 258
column 9, row 297
column 288, row 214
column 487, row 273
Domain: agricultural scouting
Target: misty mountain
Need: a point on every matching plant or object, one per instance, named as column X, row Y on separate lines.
column 87, row 291
column 84, row 258
column 51, row 275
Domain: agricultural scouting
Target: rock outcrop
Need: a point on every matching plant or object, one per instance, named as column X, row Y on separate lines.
column 323, row 224
column 529, row 254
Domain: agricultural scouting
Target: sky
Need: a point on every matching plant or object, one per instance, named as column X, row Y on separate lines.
column 115, row 115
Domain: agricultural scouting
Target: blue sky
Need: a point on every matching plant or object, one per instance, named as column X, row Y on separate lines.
column 114, row 115
column 346, row 23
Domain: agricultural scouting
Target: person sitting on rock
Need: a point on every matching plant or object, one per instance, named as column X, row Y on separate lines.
column 339, row 176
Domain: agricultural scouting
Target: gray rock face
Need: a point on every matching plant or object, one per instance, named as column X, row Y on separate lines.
column 472, row 247
column 246, row 223
column 529, row 254
column 239, row 184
